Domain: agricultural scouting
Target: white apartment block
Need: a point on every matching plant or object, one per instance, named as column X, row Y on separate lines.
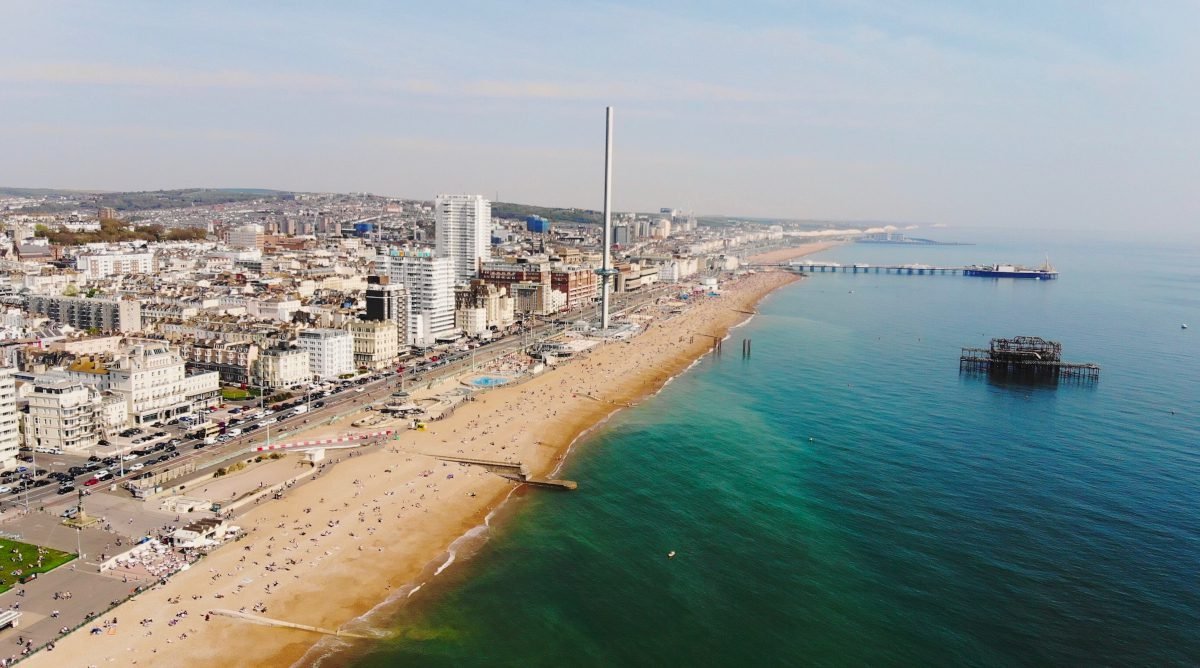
column 152, row 381
column 376, row 343
column 330, row 352
column 464, row 232
column 430, row 283
column 282, row 367
column 95, row 266
column 64, row 416
column 10, row 433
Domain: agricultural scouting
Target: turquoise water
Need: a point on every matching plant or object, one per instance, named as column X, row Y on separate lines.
column 489, row 381
column 847, row 498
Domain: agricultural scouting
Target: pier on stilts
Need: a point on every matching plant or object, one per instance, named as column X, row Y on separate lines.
column 1026, row 357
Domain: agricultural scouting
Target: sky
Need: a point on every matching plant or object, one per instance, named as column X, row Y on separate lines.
column 1035, row 115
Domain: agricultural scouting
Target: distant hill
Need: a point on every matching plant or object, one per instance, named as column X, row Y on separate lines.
column 522, row 211
column 69, row 200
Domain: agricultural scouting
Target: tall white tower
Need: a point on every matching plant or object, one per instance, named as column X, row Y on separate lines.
column 606, row 270
column 464, row 232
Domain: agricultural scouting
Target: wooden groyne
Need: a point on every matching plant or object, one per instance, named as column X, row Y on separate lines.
column 279, row 623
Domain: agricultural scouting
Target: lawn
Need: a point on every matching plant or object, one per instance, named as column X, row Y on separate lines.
column 234, row 394
column 23, row 557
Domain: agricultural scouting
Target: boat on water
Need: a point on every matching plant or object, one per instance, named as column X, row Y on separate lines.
column 1043, row 273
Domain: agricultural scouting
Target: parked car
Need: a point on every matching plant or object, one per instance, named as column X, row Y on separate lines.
column 5, row 489
column 137, row 467
column 66, row 489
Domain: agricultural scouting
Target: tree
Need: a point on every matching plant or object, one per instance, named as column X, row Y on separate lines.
column 71, row 290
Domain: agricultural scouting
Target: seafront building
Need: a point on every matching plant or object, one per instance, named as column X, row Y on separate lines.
column 429, row 280
column 63, row 415
column 10, row 434
column 330, row 352
column 388, row 301
column 376, row 343
column 278, row 368
column 464, row 232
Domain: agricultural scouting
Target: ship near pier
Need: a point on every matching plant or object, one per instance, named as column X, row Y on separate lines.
column 1046, row 272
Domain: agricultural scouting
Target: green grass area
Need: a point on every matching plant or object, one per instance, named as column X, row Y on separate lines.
column 234, row 394
column 23, row 557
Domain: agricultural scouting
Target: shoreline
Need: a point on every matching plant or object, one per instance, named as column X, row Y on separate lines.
column 422, row 544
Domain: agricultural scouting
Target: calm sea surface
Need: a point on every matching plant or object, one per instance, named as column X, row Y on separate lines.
column 847, row 498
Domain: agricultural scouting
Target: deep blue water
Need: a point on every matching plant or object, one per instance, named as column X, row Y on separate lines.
column 847, row 498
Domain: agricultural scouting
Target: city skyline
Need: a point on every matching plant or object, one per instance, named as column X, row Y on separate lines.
column 1058, row 116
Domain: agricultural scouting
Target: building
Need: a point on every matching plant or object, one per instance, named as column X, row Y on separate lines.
column 107, row 213
column 64, row 415
column 430, row 284
column 281, row 367
column 388, row 301
column 537, row 225
column 247, row 236
column 621, row 235
column 330, row 352
column 481, row 306
column 152, row 380
column 10, row 432
column 231, row 360
column 96, row 266
column 107, row 315
column 579, row 284
column 464, row 232
column 535, row 298
column 507, row 274
column 376, row 343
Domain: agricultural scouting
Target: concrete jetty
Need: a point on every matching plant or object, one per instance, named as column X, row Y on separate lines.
column 267, row 621
column 515, row 471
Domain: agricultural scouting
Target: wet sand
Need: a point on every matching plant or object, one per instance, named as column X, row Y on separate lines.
column 335, row 547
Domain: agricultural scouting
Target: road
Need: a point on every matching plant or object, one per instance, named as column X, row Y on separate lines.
column 209, row 458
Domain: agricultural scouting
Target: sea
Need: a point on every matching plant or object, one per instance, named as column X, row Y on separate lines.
column 847, row 497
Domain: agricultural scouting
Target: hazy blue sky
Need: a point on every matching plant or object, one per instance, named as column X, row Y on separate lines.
column 1054, row 114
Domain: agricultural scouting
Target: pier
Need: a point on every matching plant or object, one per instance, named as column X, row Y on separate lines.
column 905, row 269
column 1026, row 357
column 515, row 471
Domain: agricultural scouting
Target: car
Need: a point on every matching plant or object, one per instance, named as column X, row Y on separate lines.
column 319, row 404
column 94, row 466
column 234, row 411
column 106, row 476
column 66, row 489
column 171, row 448
column 129, row 457
column 41, row 472
column 159, row 434
column 41, row 483
column 175, row 441
column 137, row 430
column 199, row 445
column 137, row 467
column 92, row 481
column 5, row 489
column 103, row 442
column 162, row 458
column 174, row 455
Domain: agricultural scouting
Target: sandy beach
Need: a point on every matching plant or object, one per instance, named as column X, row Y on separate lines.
column 785, row 254
column 335, row 547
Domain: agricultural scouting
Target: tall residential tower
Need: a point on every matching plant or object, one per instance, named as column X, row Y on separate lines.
column 464, row 233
